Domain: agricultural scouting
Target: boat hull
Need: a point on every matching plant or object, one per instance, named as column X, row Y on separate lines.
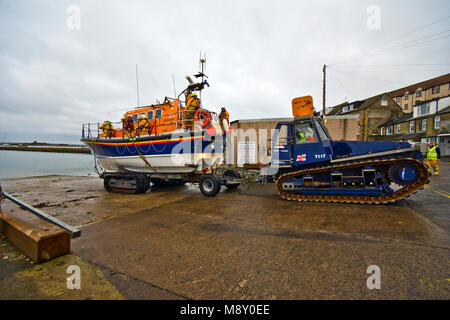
column 169, row 154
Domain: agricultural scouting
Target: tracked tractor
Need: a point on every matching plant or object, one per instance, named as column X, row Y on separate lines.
column 310, row 166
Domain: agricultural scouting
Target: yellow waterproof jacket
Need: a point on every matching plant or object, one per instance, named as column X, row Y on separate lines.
column 193, row 104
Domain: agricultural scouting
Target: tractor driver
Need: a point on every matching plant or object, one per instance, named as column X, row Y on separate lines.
column 304, row 133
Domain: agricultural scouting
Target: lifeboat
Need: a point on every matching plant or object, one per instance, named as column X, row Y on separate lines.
column 173, row 146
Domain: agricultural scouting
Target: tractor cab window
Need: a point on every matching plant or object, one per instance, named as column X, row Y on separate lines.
column 304, row 133
column 282, row 138
column 158, row 114
column 150, row 115
column 322, row 133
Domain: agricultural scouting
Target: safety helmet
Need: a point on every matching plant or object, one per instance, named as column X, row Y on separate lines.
column 144, row 117
column 193, row 94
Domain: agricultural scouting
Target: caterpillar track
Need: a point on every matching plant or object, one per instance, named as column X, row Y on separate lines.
column 384, row 167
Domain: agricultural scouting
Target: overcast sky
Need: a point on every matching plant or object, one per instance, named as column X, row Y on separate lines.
column 260, row 55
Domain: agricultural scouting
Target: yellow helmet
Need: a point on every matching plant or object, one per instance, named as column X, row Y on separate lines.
column 193, row 95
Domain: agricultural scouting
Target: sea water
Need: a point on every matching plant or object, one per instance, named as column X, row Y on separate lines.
column 20, row 164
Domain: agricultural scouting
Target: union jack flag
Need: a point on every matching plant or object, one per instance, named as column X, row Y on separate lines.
column 301, row 157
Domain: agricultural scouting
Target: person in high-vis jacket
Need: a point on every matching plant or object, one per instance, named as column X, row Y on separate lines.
column 224, row 115
column 433, row 157
column 144, row 126
column 128, row 127
column 192, row 105
column 108, row 129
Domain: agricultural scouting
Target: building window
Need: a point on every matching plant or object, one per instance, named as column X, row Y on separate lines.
column 418, row 93
column 412, row 126
column 398, row 128
column 398, row 99
column 406, row 106
column 382, row 131
column 384, row 102
column 389, row 131
column 437, row 122
column 423, row 109
column 406, row 95
column 436, row 89
column 424, row 125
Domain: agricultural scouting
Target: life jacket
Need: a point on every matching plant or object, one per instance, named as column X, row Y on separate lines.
column 129, row 124
column 146, row 125
column 432, row 153
column 193, row 102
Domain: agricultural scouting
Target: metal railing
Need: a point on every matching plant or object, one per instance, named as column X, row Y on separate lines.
column 154, row 127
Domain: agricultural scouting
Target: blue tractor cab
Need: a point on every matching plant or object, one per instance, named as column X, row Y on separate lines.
column 313, row 167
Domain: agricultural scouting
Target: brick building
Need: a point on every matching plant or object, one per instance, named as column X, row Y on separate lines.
column 412, row 95
column 359, row 120
column 429, row 121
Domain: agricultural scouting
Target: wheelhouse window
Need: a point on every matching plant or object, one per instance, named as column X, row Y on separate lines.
column 142, row 115
column 158, row 114
column 437, row 122
column 135, row 117
column 150, row 115
column 412, row 126
column 424, row 125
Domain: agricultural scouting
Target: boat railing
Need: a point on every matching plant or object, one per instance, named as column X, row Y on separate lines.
column 183, row 120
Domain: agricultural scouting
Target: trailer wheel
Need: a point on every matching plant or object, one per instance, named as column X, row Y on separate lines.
column 209, row 185
column 232, row 174
column 106, row 184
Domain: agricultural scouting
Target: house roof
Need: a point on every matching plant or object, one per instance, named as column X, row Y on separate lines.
column 423, row 85
column 359, row 105
column 395, row 120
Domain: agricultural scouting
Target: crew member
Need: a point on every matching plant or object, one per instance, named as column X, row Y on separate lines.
column 224, row 115
column 144, row 126
column 192, row 105
column 128, row 127
column 304, row 133
column 108, row 129
column 433, row 157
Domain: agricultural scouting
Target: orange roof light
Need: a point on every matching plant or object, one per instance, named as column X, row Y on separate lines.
column 302, row 106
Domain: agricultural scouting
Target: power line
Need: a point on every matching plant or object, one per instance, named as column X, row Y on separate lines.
column 361, row 77
column 339, row 81
column 393, row 39
column 395, row 65
column 403, row 45
column 368, row 77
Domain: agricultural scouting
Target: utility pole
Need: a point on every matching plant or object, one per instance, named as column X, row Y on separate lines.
column 324, row 81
